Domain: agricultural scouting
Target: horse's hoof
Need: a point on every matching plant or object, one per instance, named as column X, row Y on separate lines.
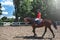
column 35, row 36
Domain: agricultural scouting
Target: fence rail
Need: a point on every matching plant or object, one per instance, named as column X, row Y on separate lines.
column 58, row 22
column 18, row 23
column 12, row 24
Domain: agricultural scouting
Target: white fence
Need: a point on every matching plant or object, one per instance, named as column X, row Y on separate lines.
column 58, row 22
column 6, row 23
column 12, row 24
column 18, row 23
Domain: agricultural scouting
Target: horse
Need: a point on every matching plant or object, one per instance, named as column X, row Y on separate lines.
column 45, row 23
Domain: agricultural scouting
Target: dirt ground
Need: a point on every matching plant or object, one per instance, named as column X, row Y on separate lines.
column 25, row 33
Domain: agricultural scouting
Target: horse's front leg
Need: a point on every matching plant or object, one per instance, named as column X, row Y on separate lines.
column 34, row 32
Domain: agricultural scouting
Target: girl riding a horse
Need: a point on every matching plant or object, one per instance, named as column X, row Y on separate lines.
column 38, row 18
column 45, row 23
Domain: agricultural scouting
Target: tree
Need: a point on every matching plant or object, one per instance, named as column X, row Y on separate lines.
column 4, row 18
column 16, row 3
column 0, row 9
column 39, row 5
column 25, row 8
column 10, row 19
column 22, row 8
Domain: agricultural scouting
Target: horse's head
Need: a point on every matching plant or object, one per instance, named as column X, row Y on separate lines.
column 27, row 19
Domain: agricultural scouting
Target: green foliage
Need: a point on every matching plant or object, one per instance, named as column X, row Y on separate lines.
column 4, row 19
column 0, row 9
column 10, row 19
column 16, row 13
column 22, row 9
column 25, row 8
column 29, row 8
column 39, row 5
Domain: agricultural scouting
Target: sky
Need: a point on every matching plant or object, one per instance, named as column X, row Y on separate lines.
column 7, row 8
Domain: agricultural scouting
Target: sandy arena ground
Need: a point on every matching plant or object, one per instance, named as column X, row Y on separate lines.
column 25, row 33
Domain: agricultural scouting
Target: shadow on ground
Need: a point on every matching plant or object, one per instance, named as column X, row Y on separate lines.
column 31, row 37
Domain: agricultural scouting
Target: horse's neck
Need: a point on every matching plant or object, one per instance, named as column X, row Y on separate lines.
column 32, row 20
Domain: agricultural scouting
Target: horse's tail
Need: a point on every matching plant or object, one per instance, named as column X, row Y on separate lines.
column 54, row 24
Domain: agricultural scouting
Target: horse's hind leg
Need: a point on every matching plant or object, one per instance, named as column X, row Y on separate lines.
column 51, row 31
column 44, row 31
column 34, row 32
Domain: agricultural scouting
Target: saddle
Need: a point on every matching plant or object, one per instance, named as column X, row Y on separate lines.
column 38, row 22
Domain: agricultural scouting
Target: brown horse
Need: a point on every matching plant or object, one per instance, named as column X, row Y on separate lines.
column 45, row 23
